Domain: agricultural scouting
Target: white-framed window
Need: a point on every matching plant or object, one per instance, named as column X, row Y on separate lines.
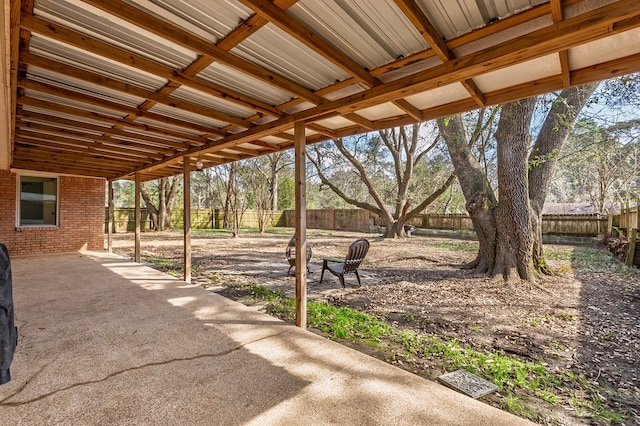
column 37, row 201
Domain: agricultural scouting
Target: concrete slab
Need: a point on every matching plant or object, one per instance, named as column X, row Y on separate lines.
column 108, row 341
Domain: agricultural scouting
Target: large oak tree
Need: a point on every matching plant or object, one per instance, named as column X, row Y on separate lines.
column 508, row 224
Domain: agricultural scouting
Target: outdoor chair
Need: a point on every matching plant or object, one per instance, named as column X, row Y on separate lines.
column 355, row 255
column 291, row 254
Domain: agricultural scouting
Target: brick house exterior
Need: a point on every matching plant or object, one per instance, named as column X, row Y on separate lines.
column 80, row 217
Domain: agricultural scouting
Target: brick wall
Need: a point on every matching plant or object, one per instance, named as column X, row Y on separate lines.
column 80, row 218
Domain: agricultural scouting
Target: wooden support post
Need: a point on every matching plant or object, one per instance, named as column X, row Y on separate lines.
column 632, row 246
column 187, row 218
column 110, row 219
column 609, row 226
column 301, row 224
column 136, row 250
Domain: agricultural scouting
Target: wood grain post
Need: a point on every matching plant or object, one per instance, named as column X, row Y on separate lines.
column 136, row 250
column 110, row 219
column 187, row 217
column 301, row 224
column 632, row 246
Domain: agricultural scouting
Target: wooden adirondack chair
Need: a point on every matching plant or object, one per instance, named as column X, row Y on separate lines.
column 338, row 267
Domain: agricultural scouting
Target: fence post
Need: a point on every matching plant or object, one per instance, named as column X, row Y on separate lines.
column 632, row 247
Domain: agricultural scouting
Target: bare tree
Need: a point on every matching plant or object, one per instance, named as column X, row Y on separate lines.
column 165, row 191
column 384, row 166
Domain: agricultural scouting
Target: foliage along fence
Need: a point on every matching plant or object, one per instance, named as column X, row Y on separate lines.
column 124, row 219
column 590, row 225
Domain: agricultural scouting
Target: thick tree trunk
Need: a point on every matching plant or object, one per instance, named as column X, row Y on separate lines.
column 161, row 215
column 543, row 159
column 480, row 208
column 513, row 221
column 510, row 232
column 170, row 201
column 480, row 200
column 148, row 202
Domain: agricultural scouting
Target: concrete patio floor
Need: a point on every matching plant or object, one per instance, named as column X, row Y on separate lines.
column 107, row 341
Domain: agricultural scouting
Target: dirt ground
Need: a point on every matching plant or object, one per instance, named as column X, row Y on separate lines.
column 586, row 319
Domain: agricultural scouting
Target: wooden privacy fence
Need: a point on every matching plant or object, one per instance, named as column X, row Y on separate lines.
column 590, row 225
column 628, row 218
column 337, row 219
column 124, row 219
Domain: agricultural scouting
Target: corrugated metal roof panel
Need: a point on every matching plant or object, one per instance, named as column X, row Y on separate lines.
column 273, row 139
column 210, row 20
column 503, row 36
column 439, row 96
column 336, row 122
column 71, row 103
column 379, row 112
column 65, row 116
column 203, row 99
column 95, row 23
column 63, row 126
column 282, row 54
column 617, row 46
column 453, row 18
column 226, row 76
column 410, row 69
column 83, row 87
column 521, row 73
column 372, row 32
column 137, row 132
column 163, row 125
column 87, row 61
column 39, row 133
column 345, row 91
column 187, row 116
column 299, row 107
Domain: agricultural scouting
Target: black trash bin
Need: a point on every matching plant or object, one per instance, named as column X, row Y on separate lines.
column 8, row 330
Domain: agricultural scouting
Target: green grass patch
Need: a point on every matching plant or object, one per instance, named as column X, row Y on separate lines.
column 468, row 246
column 591, row 259
column 170, row 267
column 512, row 375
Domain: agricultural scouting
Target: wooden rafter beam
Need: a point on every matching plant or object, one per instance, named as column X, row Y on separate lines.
column 608, row 20
column 154, row 134
column 116, row 85
column 308, row 37
column 429, row 32
column 81, row 138
column 557, row 15
column 178, row 35
column 235, row 37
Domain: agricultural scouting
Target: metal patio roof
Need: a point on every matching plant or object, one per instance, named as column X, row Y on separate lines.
column 108, row 88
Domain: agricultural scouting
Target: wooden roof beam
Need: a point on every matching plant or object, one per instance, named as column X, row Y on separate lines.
column 563, row 56
column 110, row 121
column 308, row 37
column 204, row 47
column 112, row 84
column 605, row 21
column 80, row 138
column 421, row 22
